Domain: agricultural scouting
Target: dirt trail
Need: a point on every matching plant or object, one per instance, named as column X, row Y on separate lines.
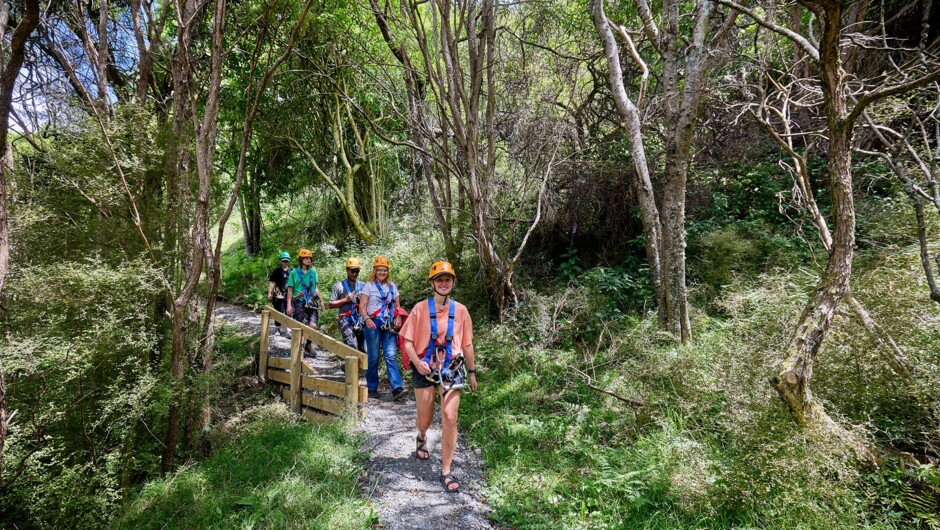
column 405, row 491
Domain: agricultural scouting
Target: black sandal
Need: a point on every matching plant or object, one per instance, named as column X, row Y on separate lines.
column 422, row 447
column 447, row 480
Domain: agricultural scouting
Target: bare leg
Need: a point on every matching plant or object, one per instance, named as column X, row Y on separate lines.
column 449, row 405
column 424, row 404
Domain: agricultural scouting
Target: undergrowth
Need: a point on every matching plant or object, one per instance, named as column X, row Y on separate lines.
column 696, row 437
column 272, row 472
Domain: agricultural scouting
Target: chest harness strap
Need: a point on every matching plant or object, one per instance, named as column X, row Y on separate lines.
column 352, row 316
column 443, row 351
column 387, row 307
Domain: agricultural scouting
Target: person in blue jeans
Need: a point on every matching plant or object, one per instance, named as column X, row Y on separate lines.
column 377, row 303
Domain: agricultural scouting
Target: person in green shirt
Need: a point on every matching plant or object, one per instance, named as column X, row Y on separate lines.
column 303, row 295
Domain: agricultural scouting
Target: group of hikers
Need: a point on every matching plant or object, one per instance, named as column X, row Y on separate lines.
column 436, row 337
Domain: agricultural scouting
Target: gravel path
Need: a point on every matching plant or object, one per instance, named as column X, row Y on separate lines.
column 405, row 491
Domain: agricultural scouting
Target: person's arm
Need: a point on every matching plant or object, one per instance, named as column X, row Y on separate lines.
column 471, row 366
column 270, row 291
column 317, row 289
column 416, row 361
column 290, row 298
column 336, row 303
column 397, row 321
column 364, row 310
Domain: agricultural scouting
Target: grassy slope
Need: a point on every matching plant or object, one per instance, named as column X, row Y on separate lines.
column 267, row 469
column 274, row 473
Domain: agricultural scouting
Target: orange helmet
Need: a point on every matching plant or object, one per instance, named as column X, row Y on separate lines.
column 304, row 253
column 380, row 261
column 353, row 263
column 441, row 267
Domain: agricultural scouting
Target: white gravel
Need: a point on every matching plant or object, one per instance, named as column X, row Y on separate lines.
column 406, row 492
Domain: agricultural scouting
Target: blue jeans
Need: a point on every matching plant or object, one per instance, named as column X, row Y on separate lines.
column 374, row 338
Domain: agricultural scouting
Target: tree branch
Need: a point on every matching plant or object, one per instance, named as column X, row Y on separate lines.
column 798, row 39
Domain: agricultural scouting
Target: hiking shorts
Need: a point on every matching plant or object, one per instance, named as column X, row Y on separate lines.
column 418, row 380
column 279, row 304
column 306, row 315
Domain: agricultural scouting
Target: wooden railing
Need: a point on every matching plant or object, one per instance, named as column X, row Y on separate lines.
column 334, row 397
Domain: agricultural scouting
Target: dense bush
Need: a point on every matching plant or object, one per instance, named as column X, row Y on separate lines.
column 699, row 439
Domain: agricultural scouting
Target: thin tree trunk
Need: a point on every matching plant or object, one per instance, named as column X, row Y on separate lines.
column 922, row 242
column 642, row 183
column 11, row 70
column 796, row 370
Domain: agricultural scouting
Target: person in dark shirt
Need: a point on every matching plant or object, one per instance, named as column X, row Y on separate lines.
column 277, row 289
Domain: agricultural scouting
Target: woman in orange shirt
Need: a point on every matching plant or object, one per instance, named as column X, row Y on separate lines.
column 434, row 364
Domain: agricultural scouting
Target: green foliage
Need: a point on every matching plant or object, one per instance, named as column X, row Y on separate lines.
column 904, row 495
column 276, row 472
column 76, row 364
column 707, row 444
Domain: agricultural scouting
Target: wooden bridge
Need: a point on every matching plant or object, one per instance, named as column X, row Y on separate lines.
column 316, row 398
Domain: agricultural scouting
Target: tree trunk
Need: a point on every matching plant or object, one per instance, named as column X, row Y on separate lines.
column 664, row 230
column 796, row 371
column 11, row 70
column 922, row 242
column 641, row 181
column 418, row 131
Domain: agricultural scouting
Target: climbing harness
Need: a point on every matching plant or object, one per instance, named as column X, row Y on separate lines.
column 307, row 289
column 387, row 307
column 447, row 370
column 352, row 316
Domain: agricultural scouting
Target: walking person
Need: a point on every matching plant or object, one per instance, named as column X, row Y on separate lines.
column 345, row 298
column 377, row 303
column 440, row 360
column 303, row 294
column 277, row 289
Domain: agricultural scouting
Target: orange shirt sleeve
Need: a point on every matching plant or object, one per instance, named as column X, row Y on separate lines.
column 466, row 328
column 418, row 328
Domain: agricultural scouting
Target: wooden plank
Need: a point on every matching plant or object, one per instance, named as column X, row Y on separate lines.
column 279, row 376
column 324, row 404
column 363, row 394
column 296, row 361
column 309, row 369
column 279, row 362
column 312, row 415
column 335, row 406
column 352, row 383
column 337, row 348
column 265, row 350
column 333, row 388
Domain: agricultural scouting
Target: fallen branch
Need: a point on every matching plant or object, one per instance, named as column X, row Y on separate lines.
column 589, row 381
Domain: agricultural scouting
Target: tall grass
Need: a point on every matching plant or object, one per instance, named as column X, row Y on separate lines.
column 274, row 472
column 708, row 445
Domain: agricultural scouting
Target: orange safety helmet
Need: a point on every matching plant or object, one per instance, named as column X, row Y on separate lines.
column 441, row 267
column 353, row 263
column 304, row 253
column 380, row 261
